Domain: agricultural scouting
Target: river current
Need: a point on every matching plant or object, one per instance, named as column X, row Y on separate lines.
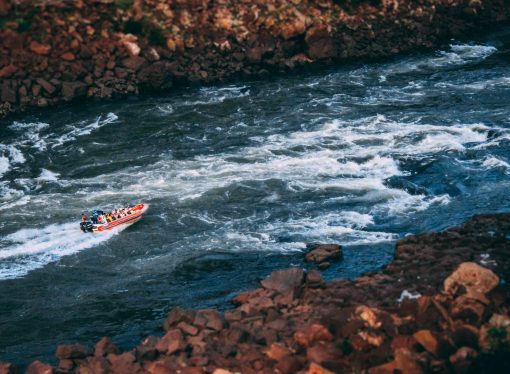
column 240, row 179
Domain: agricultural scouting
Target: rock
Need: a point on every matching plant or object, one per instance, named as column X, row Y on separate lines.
column 407, row 362
column 284, row 280
column 176, row 316
column 387, row 368
column 463, row 360
column 277, row 351
column 210, row 318
column 320, row 43
column 171, row 342
column 314, row 279
column 323, row 253
column 132, row 48
column 156, row 75
column 289, row 364
column 222, row 371
column 8, row 368
column 71, row 90
column 472, row 276
column 134, row 62
column 147, row 349
column 7, row 93
column 294, row 27
column 466, row 336
column 104, row 347
column 38, row 48
column 72, row 351
column 317, row 369
column 37, row 367
column 94, row 365
column 47, row 86
column 311, row 334
column 124, row 363
column 324, row 265
column 428, row 341
column 65, row 365
column 68, row 56
column 467, row 309
column 187, row 328
column 5, row 6
column 254, row 55
column 7, row 71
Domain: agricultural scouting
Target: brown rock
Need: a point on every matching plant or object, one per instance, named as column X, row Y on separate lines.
column 495, row 334
column 5, row 6
column 284, row 280
column 324, row 252
column 124, row 363
column 466, row 335
column 178, row 315
column 36, row 90
column 68, row 56
column 173, row 341
column 387, row 368
column 427, row 340
column 71, row 90
column 7, row 71
column 467, row 309
column 94, row 365
column 147, row 349
column 187, row 328
column 38, row 48
column 407, row 362
column 210, row 318
column 7, row 93
column 12, row 39
column 277, row 351
column 313, row 333
column 320, row 43
column 38, row 367
column 65, row 365
column 472, row 276
column 317, row 369
column 289, row 364
column 72, row 351
column 104, row 347
column 8, row 368
column 156, row 75
column 314, row 279
column 47, row 86
column 134, row 62
column 463, row 360
column 293, row 27
column 324, row 265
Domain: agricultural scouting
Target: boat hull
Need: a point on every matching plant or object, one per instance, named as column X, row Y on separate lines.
column 136, row 214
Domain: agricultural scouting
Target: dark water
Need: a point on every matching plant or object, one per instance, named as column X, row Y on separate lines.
column 240, row 178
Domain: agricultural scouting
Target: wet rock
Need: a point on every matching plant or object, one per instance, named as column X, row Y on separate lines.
column 104, row 347
column 156, row 75
column 72, row 351
column 8, row 93
column 38, row 367
column 472, row 276
column 284, row 280
column 71, row 90
column 314, row 279
column 324, row 253
column 176, row 316
column 320, row 43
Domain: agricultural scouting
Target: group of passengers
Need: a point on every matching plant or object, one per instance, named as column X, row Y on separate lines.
column 99, row 217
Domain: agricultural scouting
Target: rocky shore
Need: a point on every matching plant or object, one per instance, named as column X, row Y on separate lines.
column 60, row 50
column 441, row 306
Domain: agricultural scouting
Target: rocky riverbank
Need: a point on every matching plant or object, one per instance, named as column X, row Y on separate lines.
column 54, row 51
column 441, row 306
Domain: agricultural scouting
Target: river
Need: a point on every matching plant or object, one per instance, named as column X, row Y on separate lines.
column 240, row 179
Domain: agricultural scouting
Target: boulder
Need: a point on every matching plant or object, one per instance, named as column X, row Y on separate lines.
column 472, row 276
column 171, row 342
column 47, row 86
column 8, row 368
column 156, row 75
column 428, row 341
column 320, row 43
column 176, row 316
column 104, row 347
column 8, row 93
column 311, row 334
column 209, row 318
column 38, row 48
column 94, row 365
column 277, row 351
column 38, row 367
column 5, row 6
column 71, row 90
column 314, row 279
column 124, row 363
column 317, row 369
column 7, row 71
column 463, row 360
column 72, row 351
column 284, row 280
column 324, row 253
column 134, row 62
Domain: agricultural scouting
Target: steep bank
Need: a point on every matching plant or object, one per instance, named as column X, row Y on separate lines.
column 55, row 51
column 413, row 316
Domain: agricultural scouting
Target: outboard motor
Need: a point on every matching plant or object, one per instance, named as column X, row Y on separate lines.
column 86, row 226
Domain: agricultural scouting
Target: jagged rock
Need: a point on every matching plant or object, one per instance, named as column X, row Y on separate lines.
column 311, row 334
column 72, row 351
column 65, row 365
column 38, row 48
column 147, row 349
column 156, row 75
column 208, row 318
column 123, row 363
column 323, row 253
column 320, row 43
column 277, row 351
column 71, row 90
column 314, row 279
column 104, row 347
column 94, row 365
column 284, row 280
column 428, row 341
column 187, row 328
column 171, row 342
column 38, row 367
column 317, row 369
column 472, row 276
column 176, row 316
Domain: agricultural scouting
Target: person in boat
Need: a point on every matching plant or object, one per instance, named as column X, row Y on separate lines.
column 84, row 217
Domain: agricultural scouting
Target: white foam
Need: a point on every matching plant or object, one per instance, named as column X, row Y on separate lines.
column 28, row 249
column 48, row 176
column 494, row 162
column 4, row 165
column 408, row 295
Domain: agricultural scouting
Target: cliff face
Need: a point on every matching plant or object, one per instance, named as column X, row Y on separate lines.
column 442, row 306
column 59, row 50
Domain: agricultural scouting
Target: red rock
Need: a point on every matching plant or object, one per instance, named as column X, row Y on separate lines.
column 37, row 367
column 289, row 364
column 407, row 362
column 284, row 280
column 132, row 48
column 47, row 86
column 277, row 351
column 314, row 279
column 104, row 347
column 322, row 352
column 178, row 315
column 293, row 27
column 317, row 369
column 313, row 333
column 463, row 360
column 387, row 368
column 72, row 351
column 208, row 318
column 8, row 368
column 94, row 365
column 65, row 365
column 324, row 252
column 320, row 43
column 38, row 48
column 427, row 340
column 173, row 341
column 134, row 62
column 7, row 71
column 68, row 56
column 403, row 341
column 123, row 363
column 187, row 328
column 472, row 276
